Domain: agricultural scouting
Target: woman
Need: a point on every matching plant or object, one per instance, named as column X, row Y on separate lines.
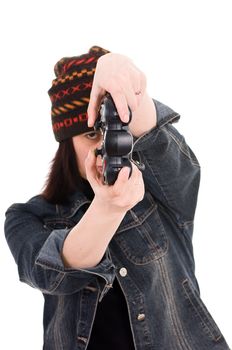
column 115, row 263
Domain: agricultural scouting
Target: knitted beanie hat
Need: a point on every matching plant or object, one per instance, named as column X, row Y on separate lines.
column 70, row 93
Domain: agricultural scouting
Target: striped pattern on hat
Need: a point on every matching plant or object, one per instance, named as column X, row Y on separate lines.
column 70, row 93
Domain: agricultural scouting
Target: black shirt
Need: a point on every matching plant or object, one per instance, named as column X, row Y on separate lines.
column 111, row 328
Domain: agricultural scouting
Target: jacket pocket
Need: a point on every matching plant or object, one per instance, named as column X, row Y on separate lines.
column 142, row 238
column 200, row 312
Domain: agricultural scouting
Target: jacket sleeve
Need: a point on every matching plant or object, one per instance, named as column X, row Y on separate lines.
column 172, row 171
column 37, row 253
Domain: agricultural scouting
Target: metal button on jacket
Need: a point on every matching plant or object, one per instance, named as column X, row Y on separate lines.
column 141, row 317
column 123, row 271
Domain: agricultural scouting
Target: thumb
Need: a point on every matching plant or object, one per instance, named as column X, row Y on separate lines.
column 90, row 167
column 94, row 103
column 123, row 176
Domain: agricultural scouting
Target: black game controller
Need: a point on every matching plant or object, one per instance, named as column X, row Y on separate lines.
column 117, row 144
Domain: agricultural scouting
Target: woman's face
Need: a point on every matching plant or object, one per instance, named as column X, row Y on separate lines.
column 82, row 144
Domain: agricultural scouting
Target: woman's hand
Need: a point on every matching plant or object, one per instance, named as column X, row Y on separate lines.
column 120, row 197
column 118, row 75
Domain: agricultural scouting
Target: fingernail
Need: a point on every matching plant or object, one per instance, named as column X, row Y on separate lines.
column 89, row 120
column 126, row 118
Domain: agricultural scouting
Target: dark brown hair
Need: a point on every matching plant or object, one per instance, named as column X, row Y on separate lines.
column 64, row 177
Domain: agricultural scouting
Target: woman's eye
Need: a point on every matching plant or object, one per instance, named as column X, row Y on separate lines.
column 92, row 135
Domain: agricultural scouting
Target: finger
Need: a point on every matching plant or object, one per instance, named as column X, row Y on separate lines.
column 143, row 84
column 136, row 175
column 137, row 181
column 131, row 90
column 122, row 179
column 94, row 103
column 90, row 167
column 131, row 99
column 135, row 79
column 139, row 86
column 121, row 106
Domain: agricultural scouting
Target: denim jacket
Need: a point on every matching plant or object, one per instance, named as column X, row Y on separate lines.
column 151, row 255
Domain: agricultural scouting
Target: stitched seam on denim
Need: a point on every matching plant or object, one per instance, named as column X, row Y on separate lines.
column 180, row 144
column 198, row 313
column 186, row 224
column 81, row 325
column 75, row 209
column 139, row 221
column 168, row 119
column 57, row 283
column 94, row 315
column 50, row 224
column 57, row 336
column 181, row 338
column 92, row 289
column 82, row 296
column 81, row 306
column 163, row 236
column 54, row 286
column 163, row 284
column 137, row 261
column 49, row 266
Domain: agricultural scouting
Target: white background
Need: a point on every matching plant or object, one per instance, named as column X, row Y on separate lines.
column 185, row 50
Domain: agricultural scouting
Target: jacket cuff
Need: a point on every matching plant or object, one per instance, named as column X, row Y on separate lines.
column 49, row 257
column 165, row 114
